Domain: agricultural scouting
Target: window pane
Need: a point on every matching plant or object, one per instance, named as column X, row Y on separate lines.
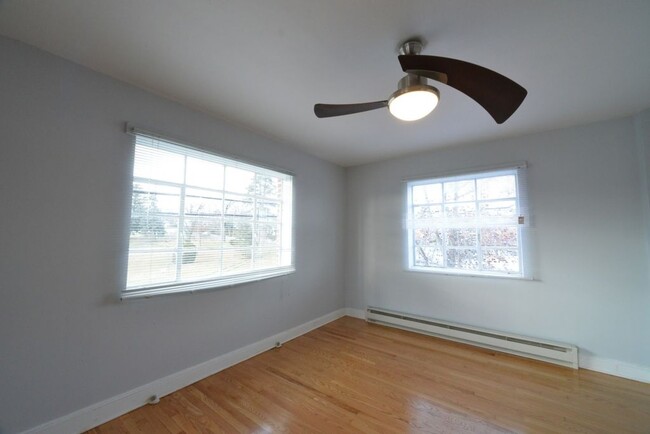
column 240, row 181
column 464, row 259
column 238, row 206
column 429, row 193
column 459, row 191
column 498, row 187
column 201, row 264
column 202, row 202
column 266, row 258
column 154, row 198
column 151, row 268
column 429, row 257
column 427, row 211
column 237, row 261
column 501, row 260
column 153, row 232
column 499, row 237
column 267, row 235
column 268, row 186
column 202, row 173
column 428, row 237
column 461, row 210
column 269, row 211
column 202, row 233
column 500, row 208
column 238, row 234
column 461, row 237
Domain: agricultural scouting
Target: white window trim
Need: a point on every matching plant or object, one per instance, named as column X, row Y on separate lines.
column 524, row 247
column 222, row 281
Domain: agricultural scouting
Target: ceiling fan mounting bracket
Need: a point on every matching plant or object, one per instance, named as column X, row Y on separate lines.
column 411, row 47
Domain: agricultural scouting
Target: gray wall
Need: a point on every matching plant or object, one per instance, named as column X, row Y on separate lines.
column 65, row 168
column 586, row 199
column 642, row 127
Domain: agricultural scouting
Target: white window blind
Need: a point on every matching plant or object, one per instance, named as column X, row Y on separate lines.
column 200, row 220
column 473, row 224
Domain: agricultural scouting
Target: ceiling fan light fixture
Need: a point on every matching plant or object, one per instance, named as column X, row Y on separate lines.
column 413, row 102
column 415, row 99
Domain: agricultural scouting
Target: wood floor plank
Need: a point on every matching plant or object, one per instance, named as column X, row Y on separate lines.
column 351, row 376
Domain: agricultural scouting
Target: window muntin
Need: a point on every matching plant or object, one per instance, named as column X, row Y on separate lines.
column 470, row 224
column 199, row 220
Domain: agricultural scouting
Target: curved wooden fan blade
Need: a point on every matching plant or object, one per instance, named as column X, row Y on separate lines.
column 329, row 110
column 497, row 94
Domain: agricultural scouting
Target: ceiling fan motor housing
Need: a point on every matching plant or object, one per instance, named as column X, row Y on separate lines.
column 410, row 83
column 411, row 80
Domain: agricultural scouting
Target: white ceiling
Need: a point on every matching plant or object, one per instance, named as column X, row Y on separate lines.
column 263, row 64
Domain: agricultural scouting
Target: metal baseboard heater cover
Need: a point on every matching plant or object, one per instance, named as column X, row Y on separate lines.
column 547, row 351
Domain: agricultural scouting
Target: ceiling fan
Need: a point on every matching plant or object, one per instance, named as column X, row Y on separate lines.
column 415, row 98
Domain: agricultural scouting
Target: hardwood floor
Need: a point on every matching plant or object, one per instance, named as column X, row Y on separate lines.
column 350, row 376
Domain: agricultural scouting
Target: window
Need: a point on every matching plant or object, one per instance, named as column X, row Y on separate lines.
column 199, row 220
column 470, row 224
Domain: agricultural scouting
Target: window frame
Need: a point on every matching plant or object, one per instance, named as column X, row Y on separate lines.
column 521, row 214
column 286, row 244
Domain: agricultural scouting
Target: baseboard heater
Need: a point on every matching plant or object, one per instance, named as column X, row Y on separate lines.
column 547, row 351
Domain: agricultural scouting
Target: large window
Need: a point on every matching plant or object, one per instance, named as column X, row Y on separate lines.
column 470, row 224
column 199, row 220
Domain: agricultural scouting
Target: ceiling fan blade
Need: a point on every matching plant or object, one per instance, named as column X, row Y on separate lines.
column 329, row 110
column 497, row 94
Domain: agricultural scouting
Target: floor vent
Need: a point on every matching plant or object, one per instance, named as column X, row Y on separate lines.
column 547, row 351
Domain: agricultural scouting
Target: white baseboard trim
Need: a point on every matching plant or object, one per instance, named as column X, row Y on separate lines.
column 101, row 412
column 615, row 367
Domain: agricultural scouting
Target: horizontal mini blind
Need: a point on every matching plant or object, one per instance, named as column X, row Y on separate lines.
column 469, row 224
column 201, row 220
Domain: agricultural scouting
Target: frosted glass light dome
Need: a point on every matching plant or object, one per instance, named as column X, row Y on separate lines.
column 414, row 102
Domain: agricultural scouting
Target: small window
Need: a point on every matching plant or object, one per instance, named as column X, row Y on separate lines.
column 471, row 224
column 200, row 220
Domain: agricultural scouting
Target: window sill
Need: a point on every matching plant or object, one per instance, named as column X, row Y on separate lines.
column 468, row 274
column 192, row 287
